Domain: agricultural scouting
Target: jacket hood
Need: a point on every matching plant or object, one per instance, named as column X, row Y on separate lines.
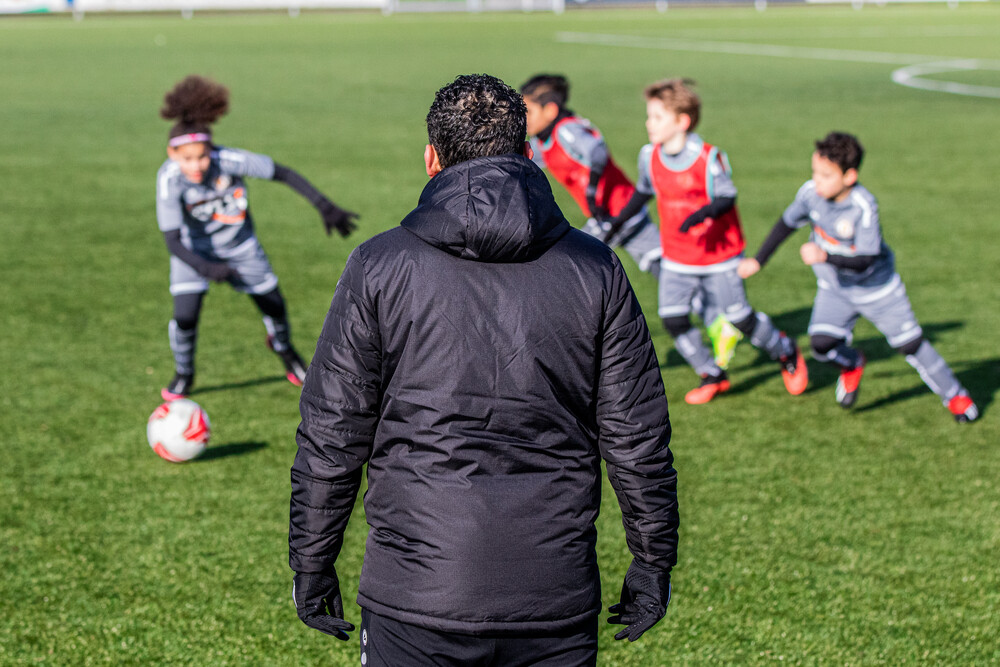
column 490, row 209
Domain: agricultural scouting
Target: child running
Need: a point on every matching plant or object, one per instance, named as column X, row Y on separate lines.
column 856, row 276
column 702, row 240
column 201, row 208
column 577, row 156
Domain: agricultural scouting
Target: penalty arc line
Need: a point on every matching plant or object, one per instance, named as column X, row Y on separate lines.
column 915, row 66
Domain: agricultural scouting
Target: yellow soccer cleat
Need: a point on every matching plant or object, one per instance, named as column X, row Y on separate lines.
column 725, row 337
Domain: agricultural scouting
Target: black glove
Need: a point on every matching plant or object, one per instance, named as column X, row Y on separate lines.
column 713, row 209
column 218, row 272
column 695, row 218
column 644, row 600
column 597, row 211
column 313, row 595
column 337, row 218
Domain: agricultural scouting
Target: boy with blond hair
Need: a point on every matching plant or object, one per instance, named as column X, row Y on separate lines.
column 701, row 238
column 856, row 276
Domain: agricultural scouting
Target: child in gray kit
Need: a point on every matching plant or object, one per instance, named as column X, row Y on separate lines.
column 856, row 276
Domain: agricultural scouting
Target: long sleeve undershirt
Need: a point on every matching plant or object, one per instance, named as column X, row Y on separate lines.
column 173, row 240
column 781, row 231
column 298, row 182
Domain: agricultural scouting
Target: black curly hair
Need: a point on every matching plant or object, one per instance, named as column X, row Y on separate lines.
column 476, row 115
column 195, row 103
column 842, row 149
column 545, row 88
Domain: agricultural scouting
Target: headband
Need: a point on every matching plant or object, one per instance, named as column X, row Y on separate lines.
column 191, row 138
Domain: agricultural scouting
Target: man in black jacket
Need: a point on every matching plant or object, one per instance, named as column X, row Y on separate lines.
column 482, row 358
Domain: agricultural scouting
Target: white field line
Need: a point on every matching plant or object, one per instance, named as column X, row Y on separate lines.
column 917, row 65
column 872, row 32
column 912, row 77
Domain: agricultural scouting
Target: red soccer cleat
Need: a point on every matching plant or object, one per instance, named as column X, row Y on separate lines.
column 794, row 372
column 179, row 387
column 295, row 368
column 710, row 387
column 848, row 384
column 963, row 409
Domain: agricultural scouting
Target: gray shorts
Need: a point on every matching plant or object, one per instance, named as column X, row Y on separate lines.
column 837, row 309
column 642, row 240
column 722, row 292
column 250, row 261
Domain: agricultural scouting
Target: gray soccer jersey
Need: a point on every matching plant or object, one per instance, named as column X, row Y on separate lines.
column 848, row 228
column 213, row 215
column 720, row 174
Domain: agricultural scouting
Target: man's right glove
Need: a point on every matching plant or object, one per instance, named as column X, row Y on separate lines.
column 644, row 599
column 314, row 594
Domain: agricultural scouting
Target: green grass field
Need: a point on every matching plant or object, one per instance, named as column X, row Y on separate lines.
column 809, row 535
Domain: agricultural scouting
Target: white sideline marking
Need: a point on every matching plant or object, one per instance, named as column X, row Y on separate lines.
column 917, row 65
column 819, row 32
column 743, row 48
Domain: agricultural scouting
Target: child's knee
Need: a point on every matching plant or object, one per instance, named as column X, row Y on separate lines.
column 823, row 344
column 677, row 325
column 911, row 347
column 747, row 324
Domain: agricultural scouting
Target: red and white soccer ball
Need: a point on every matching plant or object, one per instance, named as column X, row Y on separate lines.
column 178, row 430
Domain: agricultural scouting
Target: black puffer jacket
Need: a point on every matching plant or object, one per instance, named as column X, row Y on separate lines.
column 482, row 358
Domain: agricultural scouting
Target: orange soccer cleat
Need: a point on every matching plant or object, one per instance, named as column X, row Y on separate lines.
column 794, row 372
column 963, row 409
column 710, row 387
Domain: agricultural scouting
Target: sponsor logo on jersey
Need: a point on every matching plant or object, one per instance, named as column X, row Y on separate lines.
column 229, row 209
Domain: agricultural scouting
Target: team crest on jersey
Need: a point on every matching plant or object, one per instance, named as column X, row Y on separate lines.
column 844, row 228
column 223, row 182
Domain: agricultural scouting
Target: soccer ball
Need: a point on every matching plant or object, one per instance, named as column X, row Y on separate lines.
column 178, row 430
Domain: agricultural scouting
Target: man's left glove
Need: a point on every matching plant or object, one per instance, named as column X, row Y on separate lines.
column 336, row 218
column 314, row 595
column 644, row 599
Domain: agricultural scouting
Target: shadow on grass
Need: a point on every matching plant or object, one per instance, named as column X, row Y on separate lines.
column 981, row 378
column 876, row 348
column 794, row 322
column 231, row 449
column 238, row 385
column 978, row 378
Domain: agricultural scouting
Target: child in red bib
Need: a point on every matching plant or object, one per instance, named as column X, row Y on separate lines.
column 702, row 240
column 577, row 157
